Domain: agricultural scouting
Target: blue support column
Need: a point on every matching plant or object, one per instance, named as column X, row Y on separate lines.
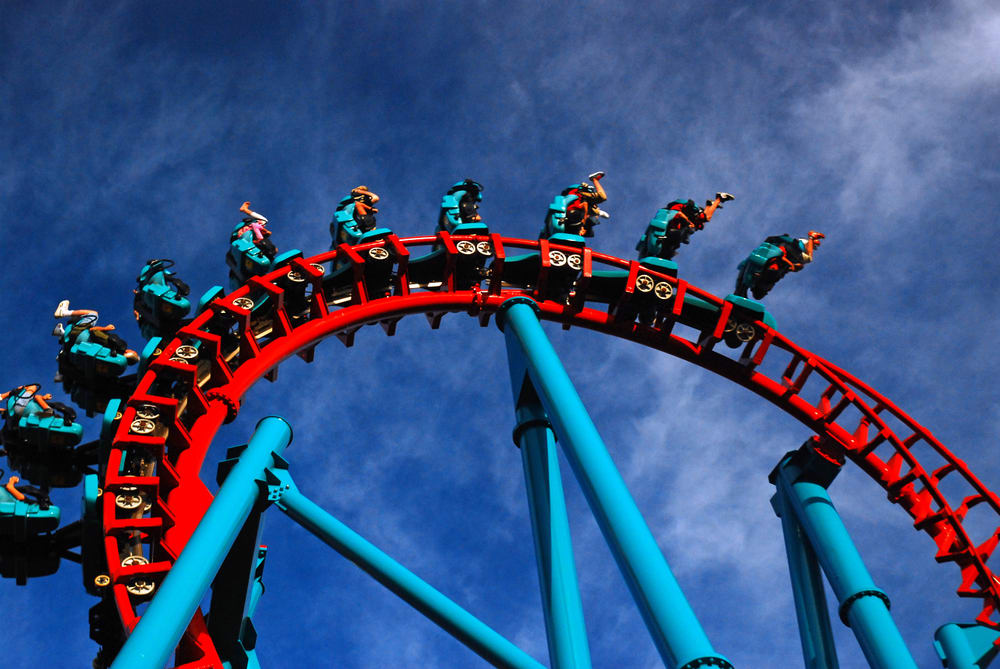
column 161, row 626
column 818, row 648
column 455, row 620
column 863, row 606
column 564, row 625
column 678, row 635
column 966, row 646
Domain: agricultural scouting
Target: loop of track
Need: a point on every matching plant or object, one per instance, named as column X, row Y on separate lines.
column 237, row 347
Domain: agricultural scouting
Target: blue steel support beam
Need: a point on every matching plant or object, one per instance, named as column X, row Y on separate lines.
column 966, row 646
column 863, row 606
column 818, row 648
column 455, row 620
column 675, row 630
column 564, row 625
column 161, row 626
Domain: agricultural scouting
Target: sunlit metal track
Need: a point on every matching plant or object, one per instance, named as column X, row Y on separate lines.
column 199, row 378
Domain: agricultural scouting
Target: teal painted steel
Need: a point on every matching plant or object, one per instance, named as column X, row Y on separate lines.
column 966, row 646
column 678, row 635
column 564, row 625
column 447, row 614
column 163, row 623
column 818, row 647
column 861, row 603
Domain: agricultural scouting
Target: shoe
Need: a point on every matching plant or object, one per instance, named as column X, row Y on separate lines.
column 596, row 175
column 725, row 197
column 57, row 378
column 58, row 330
column 62, row 311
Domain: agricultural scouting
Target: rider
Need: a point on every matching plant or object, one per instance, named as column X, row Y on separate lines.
column 683, row 218
column 25, row 394
column 256, row 223
column 364, row 207
column 791, row 255
column 795, row 253
column 468, row 205
column 99, row 333
column 693, row 216
column 27, row 400
column 581, row 214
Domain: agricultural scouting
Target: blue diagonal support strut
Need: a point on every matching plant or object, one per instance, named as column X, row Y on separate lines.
column 564, row 624
column 455, row 620
column 161, row 626
column 863, row 606
column 818, row 648
column 678, row 635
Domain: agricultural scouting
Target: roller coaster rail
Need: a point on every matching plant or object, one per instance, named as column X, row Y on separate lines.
column 196, row 382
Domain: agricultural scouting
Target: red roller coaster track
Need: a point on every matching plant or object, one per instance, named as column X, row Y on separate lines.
column 235, row 347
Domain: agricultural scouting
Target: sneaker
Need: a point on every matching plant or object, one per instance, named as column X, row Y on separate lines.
column 725, row 197
column 62, row 311
column 57, row 378
column 58, row 330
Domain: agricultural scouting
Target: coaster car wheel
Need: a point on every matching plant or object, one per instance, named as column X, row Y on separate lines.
column 645, row 283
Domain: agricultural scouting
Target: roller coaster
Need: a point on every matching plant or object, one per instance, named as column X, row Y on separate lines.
column 154, row 539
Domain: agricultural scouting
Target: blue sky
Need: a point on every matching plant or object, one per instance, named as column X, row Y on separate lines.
column 137, row 130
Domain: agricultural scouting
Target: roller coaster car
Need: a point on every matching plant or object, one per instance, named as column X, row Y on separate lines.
column 459, row 217
column 378, row 263
column 429, row 271
column 652, row 294
column 741, row 328
column 762, row 268
column 91, row 363
column 664, row 235
column 40, row 443
column 563, row 269
column 20, row 519
column 246, row 259
column 161, row 301
column 460, row 207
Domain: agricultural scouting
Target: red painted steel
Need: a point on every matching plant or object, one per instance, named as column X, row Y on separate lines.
column 237, row 347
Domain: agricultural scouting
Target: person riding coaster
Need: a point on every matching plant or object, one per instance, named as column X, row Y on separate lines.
column 674, row 224
column 575, row 210
column 460, row 205
column 25, row 401
column 772, row 260
column 354, row 216
column 251, row 252
column 160, row 301
column 364, row 208
column 83, row 328
column 254, row 230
